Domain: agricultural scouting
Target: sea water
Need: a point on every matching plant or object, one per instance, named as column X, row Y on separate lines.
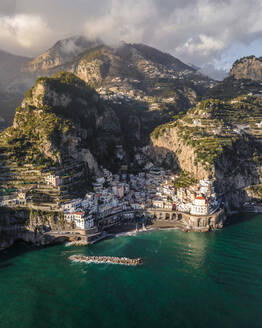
column 187, row 280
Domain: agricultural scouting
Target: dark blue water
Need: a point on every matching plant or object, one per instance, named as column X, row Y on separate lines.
column 188, row 280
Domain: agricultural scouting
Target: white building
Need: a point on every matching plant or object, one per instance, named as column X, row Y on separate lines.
column 168, row 206
column 53, row 180
column 80, row 219
column 158, row 203
column 199, row 206
column 73, row 205
column 118, row 190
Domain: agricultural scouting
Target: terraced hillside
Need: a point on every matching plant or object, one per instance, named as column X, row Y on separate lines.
column 219, row 139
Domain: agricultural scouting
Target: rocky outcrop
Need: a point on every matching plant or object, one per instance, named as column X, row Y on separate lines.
column 30, row 227
column 62, row 117
column 247, row 68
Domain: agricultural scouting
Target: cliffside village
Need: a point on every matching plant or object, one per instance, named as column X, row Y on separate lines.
column 125, row 196
column 128, row 90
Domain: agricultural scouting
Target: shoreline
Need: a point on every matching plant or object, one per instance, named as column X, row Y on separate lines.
column 130, row 229
column 52, row 238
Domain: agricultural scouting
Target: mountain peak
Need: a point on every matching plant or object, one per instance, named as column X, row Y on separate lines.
column 155, row 56
column 62, row 52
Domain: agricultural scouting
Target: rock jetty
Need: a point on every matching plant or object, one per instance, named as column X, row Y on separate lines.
column 106, row 259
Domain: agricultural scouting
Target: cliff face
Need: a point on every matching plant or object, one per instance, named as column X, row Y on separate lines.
column 247, row 68
column 30, row 226
column 170, row 150
column 219, row 140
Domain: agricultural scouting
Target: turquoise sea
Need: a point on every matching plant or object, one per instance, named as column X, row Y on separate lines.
column 188, row 280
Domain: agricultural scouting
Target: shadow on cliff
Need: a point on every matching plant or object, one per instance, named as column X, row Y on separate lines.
column 162, row 156
column 137, row 121
column 236, row 170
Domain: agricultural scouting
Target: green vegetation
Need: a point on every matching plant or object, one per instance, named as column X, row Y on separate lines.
column 38, row 133
column 62, row 81
column 185, row 180
column 243, row 59
column 230, row 88
column 256, row 190
column 162, row 129
column 26, row 144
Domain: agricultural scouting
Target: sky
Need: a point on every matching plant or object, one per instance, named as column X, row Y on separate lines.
column 210, row 34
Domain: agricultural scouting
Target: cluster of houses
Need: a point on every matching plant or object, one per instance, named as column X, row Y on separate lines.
column 125, row 195
column 15, row 199
column 128, row 90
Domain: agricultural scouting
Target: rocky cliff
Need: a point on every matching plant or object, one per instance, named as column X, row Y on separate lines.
column 247, row 68
column 60, row 118
column 219, row 140
column 30, row 226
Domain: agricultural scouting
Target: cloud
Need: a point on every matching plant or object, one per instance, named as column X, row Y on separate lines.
column 196, row 31
column 130, row 22
column 28, row 32
column 7, row 7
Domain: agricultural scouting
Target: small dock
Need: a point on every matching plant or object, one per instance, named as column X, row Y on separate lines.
column 106, row 259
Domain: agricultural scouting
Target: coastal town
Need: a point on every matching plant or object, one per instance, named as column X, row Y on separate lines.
column 154, row 193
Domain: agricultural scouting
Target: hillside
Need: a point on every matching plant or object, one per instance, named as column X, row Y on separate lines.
column 138, row 72
column 60, row 127
column 135, row 76
column 141, row 81
column 217, row 139
column 230, row 88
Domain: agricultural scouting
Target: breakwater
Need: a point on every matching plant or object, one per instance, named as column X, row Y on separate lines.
column 106, row 259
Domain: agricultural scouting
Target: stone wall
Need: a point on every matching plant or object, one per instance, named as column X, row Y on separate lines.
column 187, row 221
